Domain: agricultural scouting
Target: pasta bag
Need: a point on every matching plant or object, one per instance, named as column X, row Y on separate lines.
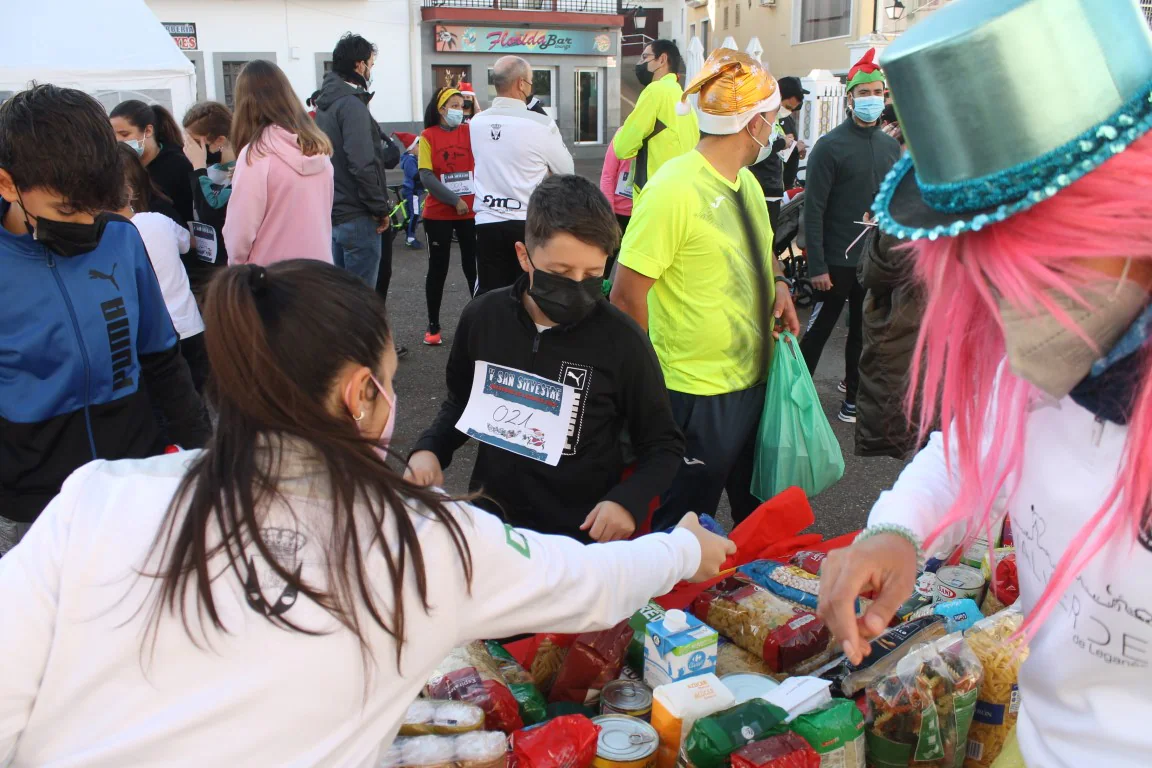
column 998, row 703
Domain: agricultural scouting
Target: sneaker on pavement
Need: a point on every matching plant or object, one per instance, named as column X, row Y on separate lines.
column 842, row 387
column 414, row 243
column 401, row 350
column 847, row 412
column 433, row 339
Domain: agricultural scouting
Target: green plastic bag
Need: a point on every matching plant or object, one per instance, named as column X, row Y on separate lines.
column 796, row 444
column 533, row 708
column 713, row 738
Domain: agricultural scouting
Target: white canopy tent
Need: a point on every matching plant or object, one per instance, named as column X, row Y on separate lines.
column 112, row 49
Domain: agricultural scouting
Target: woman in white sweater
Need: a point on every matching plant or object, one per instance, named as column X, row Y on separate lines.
column 280, row 597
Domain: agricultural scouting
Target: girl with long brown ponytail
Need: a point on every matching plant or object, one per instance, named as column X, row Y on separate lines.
column 280, row 597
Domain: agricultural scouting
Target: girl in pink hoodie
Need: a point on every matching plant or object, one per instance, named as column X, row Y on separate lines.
column 281, row 204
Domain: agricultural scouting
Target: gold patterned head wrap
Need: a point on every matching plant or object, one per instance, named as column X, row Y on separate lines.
column 732, row 88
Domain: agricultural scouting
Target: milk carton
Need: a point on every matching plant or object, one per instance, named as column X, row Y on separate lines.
column 678, row 646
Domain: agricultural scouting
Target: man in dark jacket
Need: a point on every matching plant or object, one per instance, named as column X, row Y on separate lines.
column 844, row 174
column 360, row 205
column 91, row 362
column 893, row 308
column 552, row 323
column 770, row 171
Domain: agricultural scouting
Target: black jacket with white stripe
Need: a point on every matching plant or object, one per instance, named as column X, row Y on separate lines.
column 622, row 417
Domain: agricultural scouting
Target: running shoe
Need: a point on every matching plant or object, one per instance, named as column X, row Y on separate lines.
column 842, row 387
column 433, row 339
column 401, row 351
column 847, row 412
column 415, row 244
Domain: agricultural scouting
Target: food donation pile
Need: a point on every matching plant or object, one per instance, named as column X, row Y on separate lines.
column 747, row 678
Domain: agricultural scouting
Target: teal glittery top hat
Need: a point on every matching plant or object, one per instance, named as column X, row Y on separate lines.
column 1003, row 103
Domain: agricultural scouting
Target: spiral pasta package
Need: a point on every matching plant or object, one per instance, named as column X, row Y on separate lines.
column 781, row 633
column 998, row 703
column 921, row 713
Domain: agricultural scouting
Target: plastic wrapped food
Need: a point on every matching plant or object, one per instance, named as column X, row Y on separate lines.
column 550, row 653
column 1003, row 581
column 593, row 661
column 913, row 604
column 786, row 750
column 835, row 732
column 758, row 621
column 479, row 749
column 958, row 615
column 568, row 741
column 809, row 561
column 787, row 581
column 532, row 704
column 921, row 712
column 677, row 706
column 426, row 717
column 731, row 659
column 469, row 674
column 998, row 703
column 713, row 738
column 849, row 679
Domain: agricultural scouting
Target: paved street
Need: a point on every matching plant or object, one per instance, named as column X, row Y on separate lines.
column 420, row 388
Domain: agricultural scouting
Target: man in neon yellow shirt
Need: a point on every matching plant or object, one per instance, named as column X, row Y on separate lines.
column 655, row 132
column 688, row 274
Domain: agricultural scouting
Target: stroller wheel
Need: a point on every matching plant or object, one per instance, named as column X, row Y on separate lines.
column 802, row 293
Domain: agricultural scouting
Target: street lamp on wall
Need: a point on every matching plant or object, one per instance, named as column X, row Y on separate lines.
column 895, row 11
column 639, row 20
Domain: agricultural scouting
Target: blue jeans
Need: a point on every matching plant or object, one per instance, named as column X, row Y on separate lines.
column 356, row 248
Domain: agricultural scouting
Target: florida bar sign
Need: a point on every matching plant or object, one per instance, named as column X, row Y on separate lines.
column 461, row 39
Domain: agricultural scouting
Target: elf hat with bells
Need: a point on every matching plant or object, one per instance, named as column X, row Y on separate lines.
column 732, row 89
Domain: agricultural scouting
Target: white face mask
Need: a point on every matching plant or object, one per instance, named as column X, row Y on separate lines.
column 1043, row 351
column 765, row 149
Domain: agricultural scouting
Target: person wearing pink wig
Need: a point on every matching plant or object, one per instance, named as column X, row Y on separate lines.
column 1034, row 245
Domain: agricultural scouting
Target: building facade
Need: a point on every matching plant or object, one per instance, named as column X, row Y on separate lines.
column 573, row 47
column 220, row 36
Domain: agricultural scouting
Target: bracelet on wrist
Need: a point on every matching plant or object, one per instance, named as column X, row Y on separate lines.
column 896, row 530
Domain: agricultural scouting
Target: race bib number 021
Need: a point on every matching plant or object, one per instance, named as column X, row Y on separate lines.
column 518, row 412
column 460, row 183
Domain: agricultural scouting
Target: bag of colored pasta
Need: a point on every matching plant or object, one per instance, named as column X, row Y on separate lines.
column 527, row 695
column 920, row 714
column 777, row 631
column 564, row 742
column 835, row 732
column 713, row 738
column 848, row 679
column 594, row 660
column 469, row 674
column 786, row 750
column 998, row 703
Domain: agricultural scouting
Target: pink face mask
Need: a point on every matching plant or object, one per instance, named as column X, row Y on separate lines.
column 389, row 426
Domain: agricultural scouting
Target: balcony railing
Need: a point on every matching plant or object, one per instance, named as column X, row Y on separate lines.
column 611, row 7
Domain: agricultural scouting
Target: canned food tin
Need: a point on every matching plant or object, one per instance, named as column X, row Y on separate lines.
column 625, row 742
column 959, row 581
column 626, row 697
column 746, row 686
column 926, row 584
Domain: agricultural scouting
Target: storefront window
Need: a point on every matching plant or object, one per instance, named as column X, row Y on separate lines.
column 589, row 115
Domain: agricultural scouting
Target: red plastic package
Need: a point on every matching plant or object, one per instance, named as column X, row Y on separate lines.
column 594, row 660
column 1006, row 584
column 784, row 751
column 568, row 741
column 468, row 674
column 809, row 561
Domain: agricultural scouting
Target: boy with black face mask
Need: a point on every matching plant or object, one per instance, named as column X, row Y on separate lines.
column 553, row 323
column 89, row 353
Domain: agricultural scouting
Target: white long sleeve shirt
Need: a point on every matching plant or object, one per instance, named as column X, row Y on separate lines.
column 1086, row 688
column 515, row 149
column 165, row 240
column 82, row 684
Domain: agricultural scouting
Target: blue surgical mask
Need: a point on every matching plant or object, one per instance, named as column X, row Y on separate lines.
column 868, row 108
column 454, row 117
column 136, row 144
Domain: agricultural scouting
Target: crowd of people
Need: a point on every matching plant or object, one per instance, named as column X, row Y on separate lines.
column 204, row 519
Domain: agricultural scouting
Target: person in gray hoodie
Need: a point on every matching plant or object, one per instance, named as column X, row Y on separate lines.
column 360, row 205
